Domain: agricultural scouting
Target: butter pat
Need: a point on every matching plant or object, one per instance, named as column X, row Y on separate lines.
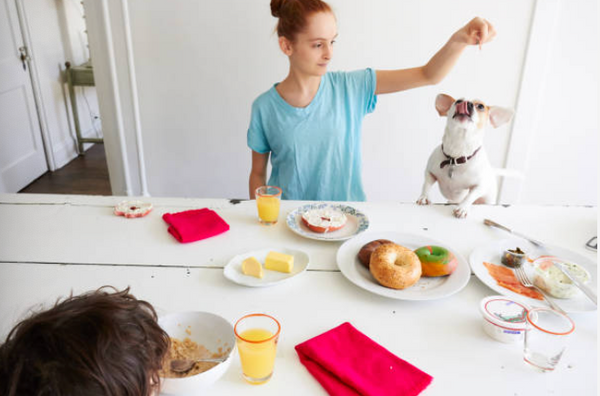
column 252, row 267
column 279, row 262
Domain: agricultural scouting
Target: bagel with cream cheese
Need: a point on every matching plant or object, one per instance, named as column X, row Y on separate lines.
column 324, row 220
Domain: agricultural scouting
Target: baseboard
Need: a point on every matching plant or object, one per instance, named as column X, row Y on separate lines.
column 67, row 149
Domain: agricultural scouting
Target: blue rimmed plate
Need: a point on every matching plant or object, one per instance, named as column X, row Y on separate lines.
column 357, row 222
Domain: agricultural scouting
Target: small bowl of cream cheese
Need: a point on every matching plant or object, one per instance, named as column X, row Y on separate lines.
column 548, row 277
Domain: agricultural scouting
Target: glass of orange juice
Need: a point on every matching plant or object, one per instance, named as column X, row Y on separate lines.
column 256, row 337
column 267, row 201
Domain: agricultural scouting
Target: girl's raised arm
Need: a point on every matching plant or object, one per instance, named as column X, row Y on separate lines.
column 477, row 32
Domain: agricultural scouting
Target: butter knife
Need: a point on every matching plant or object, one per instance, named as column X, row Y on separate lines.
column 585, row 289
column 491, row 223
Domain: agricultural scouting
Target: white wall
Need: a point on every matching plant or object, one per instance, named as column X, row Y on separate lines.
column 566, row 139
column 57, row 30
column 200, row 64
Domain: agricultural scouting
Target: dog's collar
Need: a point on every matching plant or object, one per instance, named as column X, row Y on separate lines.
column 456, row 161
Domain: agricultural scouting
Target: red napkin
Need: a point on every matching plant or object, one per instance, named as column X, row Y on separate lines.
column 347, row 362
column 194, row 225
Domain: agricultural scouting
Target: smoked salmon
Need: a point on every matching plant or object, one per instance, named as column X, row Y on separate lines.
column 505, row 277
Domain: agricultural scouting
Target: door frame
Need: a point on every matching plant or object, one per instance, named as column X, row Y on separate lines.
column 109, row 34
column 544, row 25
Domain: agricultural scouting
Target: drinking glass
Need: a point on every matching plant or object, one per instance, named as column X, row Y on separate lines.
column 256, row 337
column 267, row 201
column 546, row 337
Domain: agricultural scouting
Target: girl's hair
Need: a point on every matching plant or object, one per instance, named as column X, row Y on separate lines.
column 99, row 343
column 293, row 15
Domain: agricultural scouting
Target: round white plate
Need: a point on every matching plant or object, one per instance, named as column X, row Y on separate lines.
column 492, row 253
column 356, row 224
column 233, row 269
column 425, row 289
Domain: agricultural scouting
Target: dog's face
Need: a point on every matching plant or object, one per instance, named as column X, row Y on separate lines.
column 471, row 114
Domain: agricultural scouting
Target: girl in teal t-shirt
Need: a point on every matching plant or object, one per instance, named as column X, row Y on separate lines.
column 310, row 124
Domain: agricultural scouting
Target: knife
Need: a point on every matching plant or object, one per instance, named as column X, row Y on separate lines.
column 585, row 289
column 491, row 223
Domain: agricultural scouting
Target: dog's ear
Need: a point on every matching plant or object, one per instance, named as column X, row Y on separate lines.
column 443, row 103
column 500, row 115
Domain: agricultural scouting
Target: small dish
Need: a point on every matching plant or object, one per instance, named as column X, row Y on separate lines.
column 357, row 222
column 513, row 258
column 504, row 319
column 233, row 269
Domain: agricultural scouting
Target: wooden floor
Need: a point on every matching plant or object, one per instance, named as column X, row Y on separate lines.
column 86, row 175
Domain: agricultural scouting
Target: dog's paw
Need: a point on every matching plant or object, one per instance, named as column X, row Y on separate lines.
column 460, row 212
column 423, row 200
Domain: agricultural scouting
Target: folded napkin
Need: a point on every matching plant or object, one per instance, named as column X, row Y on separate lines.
column 347, row 362
column 194, row 225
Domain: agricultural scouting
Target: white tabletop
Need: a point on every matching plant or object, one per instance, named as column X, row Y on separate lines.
column 442, row 337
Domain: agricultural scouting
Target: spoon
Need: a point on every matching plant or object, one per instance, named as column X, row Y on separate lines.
column 185, row 365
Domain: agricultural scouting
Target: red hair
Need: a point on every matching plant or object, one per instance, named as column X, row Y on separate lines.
column 293, row 15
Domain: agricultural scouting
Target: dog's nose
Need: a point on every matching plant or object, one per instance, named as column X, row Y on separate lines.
column 470, row 107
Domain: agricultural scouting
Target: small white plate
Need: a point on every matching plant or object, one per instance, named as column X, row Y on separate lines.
column 356, row 224
column 427, row 288
column 233, row 269
column 492, row 253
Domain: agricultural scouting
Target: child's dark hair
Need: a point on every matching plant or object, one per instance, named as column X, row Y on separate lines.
column 293, row 15
column 99, row 343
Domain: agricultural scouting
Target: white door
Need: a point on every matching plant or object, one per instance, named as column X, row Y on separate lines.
column 22, row 157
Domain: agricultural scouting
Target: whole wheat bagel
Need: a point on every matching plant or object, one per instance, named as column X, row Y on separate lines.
column 395, row 266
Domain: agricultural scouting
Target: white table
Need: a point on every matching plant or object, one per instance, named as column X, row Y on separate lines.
column 39, row 234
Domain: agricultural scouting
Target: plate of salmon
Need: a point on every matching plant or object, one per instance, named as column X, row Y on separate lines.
column 487, row 265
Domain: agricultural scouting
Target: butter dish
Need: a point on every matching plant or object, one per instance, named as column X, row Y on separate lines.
column 233, row 269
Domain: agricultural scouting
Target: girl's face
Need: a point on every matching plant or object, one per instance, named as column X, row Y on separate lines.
column 312, row 50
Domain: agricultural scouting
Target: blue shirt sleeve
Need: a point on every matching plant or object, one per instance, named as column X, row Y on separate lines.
column 257, row 140
column 363, row 84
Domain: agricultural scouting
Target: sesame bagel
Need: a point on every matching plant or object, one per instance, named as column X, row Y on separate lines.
column 395, row 266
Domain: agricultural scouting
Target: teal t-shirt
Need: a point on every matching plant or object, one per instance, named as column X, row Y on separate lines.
column 316, row 150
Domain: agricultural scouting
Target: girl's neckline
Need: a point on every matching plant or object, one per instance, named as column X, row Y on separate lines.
column 299, row 110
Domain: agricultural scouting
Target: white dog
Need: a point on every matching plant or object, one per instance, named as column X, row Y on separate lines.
column 460, row 165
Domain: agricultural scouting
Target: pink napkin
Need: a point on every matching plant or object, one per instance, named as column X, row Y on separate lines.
column 347, row 362
column 194, row 225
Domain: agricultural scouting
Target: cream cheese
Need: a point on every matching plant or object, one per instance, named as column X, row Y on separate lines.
column 552, row 280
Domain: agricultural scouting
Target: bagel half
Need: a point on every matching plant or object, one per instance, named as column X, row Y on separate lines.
column 395, row 266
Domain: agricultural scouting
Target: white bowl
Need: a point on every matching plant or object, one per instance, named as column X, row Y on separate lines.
column 207, row 329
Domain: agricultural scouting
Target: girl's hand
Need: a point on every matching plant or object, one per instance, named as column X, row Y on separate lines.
column 476, row 32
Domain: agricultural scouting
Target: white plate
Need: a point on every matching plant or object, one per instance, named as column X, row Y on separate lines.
column 492, row 253
column 425, row 289
column 357, row 222
column 233, row 269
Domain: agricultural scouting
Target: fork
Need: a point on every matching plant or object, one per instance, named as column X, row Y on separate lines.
column 524, row 279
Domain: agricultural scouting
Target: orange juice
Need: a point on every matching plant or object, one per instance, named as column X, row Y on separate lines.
column 268, row 209
column 258, row 358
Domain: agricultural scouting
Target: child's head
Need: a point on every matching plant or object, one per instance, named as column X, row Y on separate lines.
column 307, row 30
column 101, row 343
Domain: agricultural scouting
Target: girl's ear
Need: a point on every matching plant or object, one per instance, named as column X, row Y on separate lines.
column 443, row 103
column 285, row 45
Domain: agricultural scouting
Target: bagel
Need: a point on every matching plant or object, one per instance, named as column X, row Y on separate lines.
column 395, row 266
column 436, row 260
column 324, row 220
column 364, row 255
